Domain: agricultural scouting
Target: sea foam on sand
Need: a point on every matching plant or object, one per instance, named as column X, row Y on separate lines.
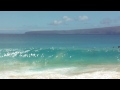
column 61, row 73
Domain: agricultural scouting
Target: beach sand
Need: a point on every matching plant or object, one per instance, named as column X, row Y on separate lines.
column 91, row 72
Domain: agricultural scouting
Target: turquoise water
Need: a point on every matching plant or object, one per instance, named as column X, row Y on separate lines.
column 51, row 51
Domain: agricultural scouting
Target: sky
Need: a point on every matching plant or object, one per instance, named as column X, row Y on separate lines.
column 23, row 21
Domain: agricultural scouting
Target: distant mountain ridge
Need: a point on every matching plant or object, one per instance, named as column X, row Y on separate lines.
column 104, row 30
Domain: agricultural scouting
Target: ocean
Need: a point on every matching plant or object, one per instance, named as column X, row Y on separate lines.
column 25, row 56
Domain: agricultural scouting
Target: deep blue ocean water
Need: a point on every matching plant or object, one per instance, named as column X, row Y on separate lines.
column 51, row 51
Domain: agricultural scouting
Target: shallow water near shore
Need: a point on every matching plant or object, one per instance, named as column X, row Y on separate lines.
column 59, row 56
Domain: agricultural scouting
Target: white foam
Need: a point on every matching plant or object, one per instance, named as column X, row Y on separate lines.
column 98, row 75
column 61, row 73
column 56, row 56
column 90, row 72
column 46, row 74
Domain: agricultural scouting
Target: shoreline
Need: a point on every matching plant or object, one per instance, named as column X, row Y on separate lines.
column 93, row 72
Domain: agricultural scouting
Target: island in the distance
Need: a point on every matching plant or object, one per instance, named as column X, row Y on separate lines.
column 104, row 30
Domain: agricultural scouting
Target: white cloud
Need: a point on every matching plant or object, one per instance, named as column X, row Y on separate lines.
column 66, row 18
column 83, row 18
column 56, row 22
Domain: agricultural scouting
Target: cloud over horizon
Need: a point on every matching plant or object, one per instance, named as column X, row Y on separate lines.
column 83, row 18
column 56, row 22
column 66, row 19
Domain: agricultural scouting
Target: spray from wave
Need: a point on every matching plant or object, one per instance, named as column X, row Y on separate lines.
column 56, row 57
column 59, row 63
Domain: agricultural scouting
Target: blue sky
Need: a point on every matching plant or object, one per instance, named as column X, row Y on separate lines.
column 22, row 21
